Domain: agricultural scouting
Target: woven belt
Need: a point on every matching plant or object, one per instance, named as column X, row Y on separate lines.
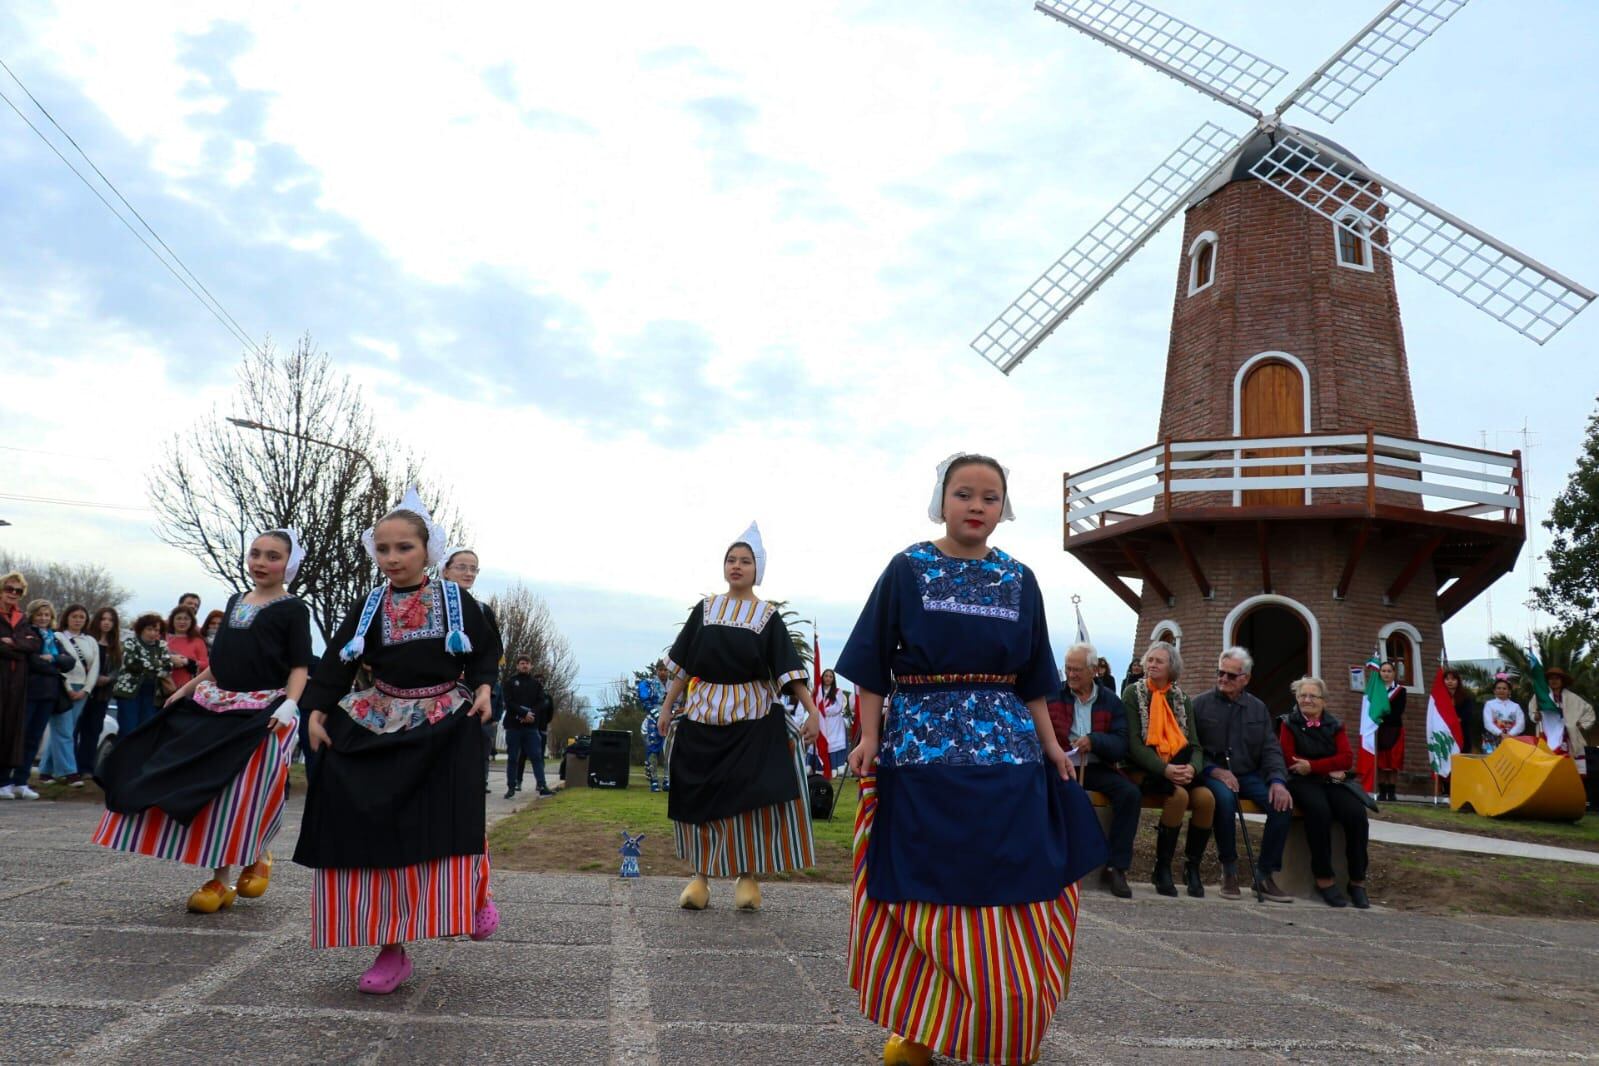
column 955, row 679
column 415, row 693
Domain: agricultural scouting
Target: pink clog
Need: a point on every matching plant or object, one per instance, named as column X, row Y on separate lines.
column 392, row 967
column 485, row 921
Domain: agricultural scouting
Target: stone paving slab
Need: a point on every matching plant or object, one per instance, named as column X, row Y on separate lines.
column 103, row 965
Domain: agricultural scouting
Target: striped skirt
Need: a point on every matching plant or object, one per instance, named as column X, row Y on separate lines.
column 360, row 908
column 767, row 840
column 234, row 829
column 978, row 984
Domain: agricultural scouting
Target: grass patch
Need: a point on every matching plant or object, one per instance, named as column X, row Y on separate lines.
column 580, row 829
column 1446, row 882
column 1582, row 834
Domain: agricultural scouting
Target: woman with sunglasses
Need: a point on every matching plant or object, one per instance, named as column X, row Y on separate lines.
column 18, row 641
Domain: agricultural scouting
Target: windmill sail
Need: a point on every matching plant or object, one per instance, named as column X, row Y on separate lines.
column 1085, row 267
column 1173, row 47
column 1485, row 272
column 1398, row 30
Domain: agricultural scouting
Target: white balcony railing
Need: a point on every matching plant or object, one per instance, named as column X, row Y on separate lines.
column 1348, row 468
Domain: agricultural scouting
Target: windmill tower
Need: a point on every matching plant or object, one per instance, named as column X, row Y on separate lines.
column 1288, row 503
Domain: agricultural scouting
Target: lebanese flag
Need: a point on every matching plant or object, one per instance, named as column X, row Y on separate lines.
column 816, row 694
column 1443, row 727
column 1373, row 706
column 816, row 666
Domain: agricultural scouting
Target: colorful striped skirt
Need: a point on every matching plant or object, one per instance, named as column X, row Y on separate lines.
column 234, row 829
column 766, row 840
column 978, row 984
column 360, row 908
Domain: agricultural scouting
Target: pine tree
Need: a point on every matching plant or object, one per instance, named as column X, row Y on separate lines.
column 1570, row 590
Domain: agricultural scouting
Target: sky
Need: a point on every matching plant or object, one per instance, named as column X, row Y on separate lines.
column 627, row 282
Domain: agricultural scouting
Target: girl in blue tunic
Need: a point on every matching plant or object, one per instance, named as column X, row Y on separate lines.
column 971, row 835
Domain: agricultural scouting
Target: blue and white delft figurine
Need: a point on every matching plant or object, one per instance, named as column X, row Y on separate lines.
column 630, row 853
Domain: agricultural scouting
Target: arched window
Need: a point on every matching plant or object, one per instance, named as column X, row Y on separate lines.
column 1201, row 262
column 1401, row 642
column 1352, row 238
column 1168, row 630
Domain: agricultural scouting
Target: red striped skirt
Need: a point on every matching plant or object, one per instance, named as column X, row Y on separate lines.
column 767, row 840
column 978, row 984
column 234, row 829
column 363, row 907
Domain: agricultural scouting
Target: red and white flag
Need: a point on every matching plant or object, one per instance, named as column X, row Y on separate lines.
column 816, row 694
column 1443, row 727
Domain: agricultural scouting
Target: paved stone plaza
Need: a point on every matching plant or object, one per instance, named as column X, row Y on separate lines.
column 102, row 964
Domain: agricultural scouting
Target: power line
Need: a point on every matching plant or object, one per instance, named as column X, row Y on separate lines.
column 58, row 455
column 70, row 503
column 113, row 187
column 213, row 305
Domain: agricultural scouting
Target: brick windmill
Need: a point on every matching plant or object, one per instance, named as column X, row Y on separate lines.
column 1289, row 504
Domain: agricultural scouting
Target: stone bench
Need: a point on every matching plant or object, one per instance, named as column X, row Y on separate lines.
column 1295, row 878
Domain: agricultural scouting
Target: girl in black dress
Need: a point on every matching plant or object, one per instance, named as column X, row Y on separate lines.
column 394, row 819
column 202, row 782
column 738, row 786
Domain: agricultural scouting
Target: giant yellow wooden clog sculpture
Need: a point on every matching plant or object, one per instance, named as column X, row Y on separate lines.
column 1518, row 780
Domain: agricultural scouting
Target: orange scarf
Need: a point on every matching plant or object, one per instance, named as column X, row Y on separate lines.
column 1163, row 733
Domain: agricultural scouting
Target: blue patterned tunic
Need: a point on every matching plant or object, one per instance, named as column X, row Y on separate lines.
column 957, row 647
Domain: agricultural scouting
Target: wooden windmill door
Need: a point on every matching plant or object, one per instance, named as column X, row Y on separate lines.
column 1273, row 405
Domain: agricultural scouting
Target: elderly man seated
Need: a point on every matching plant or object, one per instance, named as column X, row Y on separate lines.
column 1091, row 725
column 1243, row 760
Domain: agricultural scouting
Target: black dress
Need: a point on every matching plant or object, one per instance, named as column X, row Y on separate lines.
column 394, row 816
column 202, row 782
column 737, row 779
column 402, row 781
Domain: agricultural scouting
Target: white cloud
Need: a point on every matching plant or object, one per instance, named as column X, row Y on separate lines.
column 855, row 189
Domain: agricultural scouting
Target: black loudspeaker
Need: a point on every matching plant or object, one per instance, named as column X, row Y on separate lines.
column 610, row 758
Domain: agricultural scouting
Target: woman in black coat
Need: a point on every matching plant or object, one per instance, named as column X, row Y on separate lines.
column 1466, row 712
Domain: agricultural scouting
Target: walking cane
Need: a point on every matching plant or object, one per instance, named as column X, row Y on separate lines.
column 1249, row 849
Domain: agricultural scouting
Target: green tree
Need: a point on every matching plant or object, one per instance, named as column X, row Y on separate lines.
column 1570, row 590
column 569, row 723
column 1570, row 649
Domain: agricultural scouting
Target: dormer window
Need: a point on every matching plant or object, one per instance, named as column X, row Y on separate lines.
column 1201, row 262
column 1352, row 237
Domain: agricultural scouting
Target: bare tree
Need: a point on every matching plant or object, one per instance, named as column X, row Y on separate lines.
column 528, row 628
column 327, row 473
column 62, row 583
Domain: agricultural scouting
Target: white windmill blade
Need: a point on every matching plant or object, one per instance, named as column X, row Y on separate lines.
column 1209, row 64
column 1100, row 252
column 1485, row 272
column 1367, row 57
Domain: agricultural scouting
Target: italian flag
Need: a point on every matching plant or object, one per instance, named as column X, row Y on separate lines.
column 1373, row 706
column 1443, row 727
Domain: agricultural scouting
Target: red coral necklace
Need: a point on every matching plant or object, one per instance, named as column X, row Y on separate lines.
column 408, row 616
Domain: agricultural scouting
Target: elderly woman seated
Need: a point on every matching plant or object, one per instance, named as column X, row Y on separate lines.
column 1319, row 759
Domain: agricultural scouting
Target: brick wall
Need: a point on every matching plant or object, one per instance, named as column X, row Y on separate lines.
column 1306, row 559
column 1278, row 287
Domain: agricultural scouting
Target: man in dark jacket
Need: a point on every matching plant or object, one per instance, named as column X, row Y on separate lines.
column 1244, row 760
column 1091, row 724
column 528, row 710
